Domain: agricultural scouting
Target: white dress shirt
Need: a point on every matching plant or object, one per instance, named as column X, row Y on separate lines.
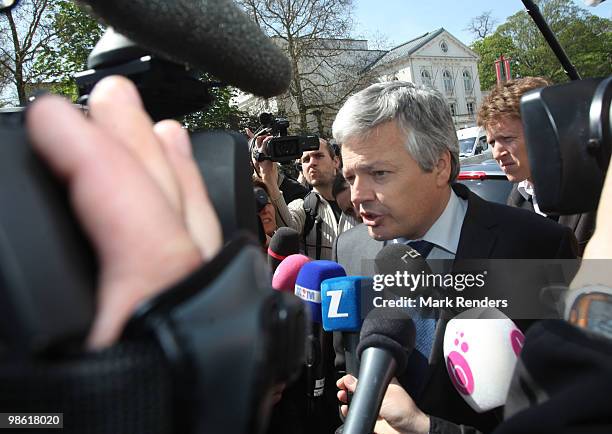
column 525, row 188
column 444, row 234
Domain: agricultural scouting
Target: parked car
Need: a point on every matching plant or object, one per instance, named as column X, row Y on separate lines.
column 487, row 180
column 472, row 141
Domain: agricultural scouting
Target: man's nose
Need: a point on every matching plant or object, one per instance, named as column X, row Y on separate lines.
column 498, row 151
column 361, row 192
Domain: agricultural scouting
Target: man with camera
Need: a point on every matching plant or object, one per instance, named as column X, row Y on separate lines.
column 317, row 217
column 500, row 115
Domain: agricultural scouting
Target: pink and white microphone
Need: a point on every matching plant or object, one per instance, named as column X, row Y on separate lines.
column 481, row 348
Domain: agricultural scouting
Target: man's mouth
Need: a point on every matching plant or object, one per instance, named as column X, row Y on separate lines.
column 371, row 219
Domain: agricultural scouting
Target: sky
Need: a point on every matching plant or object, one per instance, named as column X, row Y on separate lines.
column 402, row 20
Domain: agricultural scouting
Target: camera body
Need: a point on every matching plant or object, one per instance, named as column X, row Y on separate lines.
column 282, row 147
column 568, row 131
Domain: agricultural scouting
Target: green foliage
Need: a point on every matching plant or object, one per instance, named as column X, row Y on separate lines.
column 489, row 49
column 587, row 40
column 77, row 33
column 221, row 114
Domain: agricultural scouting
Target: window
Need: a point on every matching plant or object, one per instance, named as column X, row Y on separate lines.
column 467, row 82
column 426, row 77
column 448, row 81
column 470, row 108
column 453, row 109
column 444, row 47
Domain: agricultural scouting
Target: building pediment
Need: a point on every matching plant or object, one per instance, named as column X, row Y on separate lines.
column 444, row 45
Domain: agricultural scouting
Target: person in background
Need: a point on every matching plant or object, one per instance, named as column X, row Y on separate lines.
column 500, row 115
column 317, row 217
column 265, row 209
column 341, row 191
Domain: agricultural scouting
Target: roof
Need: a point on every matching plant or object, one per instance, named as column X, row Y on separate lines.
column 407, row 48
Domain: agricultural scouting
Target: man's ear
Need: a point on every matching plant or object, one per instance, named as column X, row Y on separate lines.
column 337, row 163
column 443, row 169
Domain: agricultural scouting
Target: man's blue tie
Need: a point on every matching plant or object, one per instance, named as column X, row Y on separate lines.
column 425, row 327
column 425, row 333
column 422, row 246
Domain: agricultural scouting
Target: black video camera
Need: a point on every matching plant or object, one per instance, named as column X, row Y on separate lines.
column 281, row 147
column 568, row 131
column 183, row 354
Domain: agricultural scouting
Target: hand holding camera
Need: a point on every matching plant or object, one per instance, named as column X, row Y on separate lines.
column 153, row 200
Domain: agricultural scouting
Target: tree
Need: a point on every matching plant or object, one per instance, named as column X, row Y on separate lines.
column 326, row 68
column 587, row 40
column 221, row 114
column 489, row 49
column 24, row 32
column 482, row 25
column 76, row 35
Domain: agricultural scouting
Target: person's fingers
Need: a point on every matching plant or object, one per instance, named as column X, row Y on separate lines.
column 115, row 105
column 263, row 143
column 198, row 211
column 249, row 133
column 344, row 410
column 350, row 383
column 108, row 188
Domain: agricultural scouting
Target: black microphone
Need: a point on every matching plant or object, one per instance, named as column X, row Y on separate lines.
column 284, row 242
column 402, row 259
column 387, row 338
column 213, row 35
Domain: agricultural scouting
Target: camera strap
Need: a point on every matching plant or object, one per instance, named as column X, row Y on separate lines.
column 311, row 209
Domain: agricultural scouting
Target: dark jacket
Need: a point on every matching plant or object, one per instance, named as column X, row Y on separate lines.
column 490, row 231
column 582, row 225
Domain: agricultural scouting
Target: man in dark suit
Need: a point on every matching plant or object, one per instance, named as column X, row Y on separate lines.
column 401, row 159
column 500, row 115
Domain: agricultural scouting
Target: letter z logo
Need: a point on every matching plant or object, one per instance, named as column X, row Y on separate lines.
column 334, row 304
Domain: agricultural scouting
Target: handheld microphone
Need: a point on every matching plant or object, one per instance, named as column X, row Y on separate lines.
column 481, row 348
column 287, row 271
column 403, row 260
column 213, row 35
column 387, row 338
column 308, row 288
column 284, row 242
column 342, row 299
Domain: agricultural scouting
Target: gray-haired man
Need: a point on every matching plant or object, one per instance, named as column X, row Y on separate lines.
column 401, row 158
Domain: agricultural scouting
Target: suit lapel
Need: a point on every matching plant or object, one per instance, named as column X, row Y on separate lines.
column 516, row 199
column 479, row 230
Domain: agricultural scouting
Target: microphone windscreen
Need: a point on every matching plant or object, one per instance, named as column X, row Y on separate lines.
column 481, row 348
column 391, row 329
column 308, row 283
column 284, row 242
column 400, row 257
column 287, row 271
column 212, row 35
column 341, row 302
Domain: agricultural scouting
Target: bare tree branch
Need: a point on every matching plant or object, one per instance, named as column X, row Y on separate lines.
column 482, row 25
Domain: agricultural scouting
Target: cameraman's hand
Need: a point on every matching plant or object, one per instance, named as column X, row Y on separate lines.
column 398, row 412
column 266, row 170
column 600, row 245
column 136, row 191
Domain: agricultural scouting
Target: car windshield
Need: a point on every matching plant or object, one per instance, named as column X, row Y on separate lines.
column 466, row 145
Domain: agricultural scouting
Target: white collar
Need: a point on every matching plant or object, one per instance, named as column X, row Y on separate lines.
column 525, row 188
column 446, row 230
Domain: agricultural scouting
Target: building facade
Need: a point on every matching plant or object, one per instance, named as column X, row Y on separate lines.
column 435, row 59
